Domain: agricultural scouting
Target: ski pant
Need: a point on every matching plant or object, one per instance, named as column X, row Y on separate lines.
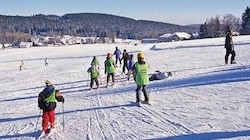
column 116, row 60
column 92, row 82
column 48, row 118
column 228, row 52
column 113, row 77
column 144, row 90
column 125, row 66
column 129, row 74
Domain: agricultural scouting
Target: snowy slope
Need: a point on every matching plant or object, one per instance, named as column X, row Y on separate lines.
column 204, row 99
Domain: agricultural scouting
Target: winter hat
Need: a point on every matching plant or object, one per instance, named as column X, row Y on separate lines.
column 131, row 56
column 140, row 55
column 47, row 82
column 109, row 55
column 229, row 31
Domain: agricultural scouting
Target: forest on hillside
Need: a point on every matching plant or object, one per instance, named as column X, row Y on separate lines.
column 85, row 24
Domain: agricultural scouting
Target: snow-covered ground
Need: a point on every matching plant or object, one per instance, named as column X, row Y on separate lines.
column 203, row 100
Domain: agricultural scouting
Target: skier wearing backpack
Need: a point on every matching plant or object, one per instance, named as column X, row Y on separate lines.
column 110, row 68
column 94, row 72
column 47, row 102
column 141, row 77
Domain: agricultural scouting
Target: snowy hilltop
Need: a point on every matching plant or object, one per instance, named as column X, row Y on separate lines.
column 203, row 100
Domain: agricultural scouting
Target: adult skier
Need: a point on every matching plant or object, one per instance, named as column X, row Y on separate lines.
column 229, row 46
column 117, row 54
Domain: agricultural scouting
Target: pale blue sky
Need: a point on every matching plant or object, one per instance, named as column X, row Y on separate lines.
column 181, row 12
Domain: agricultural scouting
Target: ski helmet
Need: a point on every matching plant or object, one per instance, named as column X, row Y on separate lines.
column 140, row 55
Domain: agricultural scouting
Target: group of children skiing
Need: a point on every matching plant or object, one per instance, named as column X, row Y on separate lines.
column 48, row 97
column 139, row 71
column 110, row 66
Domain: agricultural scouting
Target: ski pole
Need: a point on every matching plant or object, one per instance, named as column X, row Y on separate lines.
column 63, row 115
column 37, row 120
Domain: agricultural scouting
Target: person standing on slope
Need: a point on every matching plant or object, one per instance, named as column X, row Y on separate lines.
column 21, row 67
column 95, row 62
column 229, row 46
column 130, row 66
column 94, row 72
column 141, row 69
column 125, row 57
column 110, row 68
column 46, row 62
column 117, row 54
column 47, row 102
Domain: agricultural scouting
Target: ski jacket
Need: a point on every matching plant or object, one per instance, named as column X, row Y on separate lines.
column 125, row 57
column 141, row 73
column 117, row 53
column 109, row 65
column 48, row 97
column 94, row 71
column 229, row 43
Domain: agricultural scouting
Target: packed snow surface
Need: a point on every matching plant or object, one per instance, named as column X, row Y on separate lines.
column 203, row 100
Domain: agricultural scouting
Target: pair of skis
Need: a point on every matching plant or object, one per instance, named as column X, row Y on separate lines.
column 49, row 135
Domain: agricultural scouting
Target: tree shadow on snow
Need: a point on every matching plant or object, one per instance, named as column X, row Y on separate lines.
column 208, row 136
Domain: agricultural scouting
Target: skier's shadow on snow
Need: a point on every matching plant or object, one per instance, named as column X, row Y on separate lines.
column 130, row 104
column 208, row 136
column 27, row 135
column 36, row 133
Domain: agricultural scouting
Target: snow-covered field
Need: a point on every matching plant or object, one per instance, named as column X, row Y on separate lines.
column 203, row 100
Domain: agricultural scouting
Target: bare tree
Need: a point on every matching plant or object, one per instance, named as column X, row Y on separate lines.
column 231, row 21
